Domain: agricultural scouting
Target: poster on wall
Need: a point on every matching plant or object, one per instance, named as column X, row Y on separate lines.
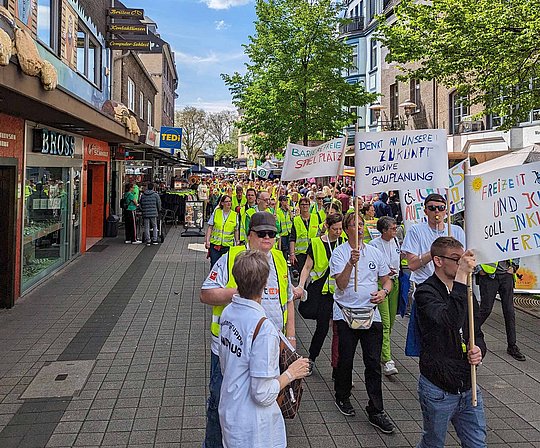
column 69, row 36
column 23, row 11
column 194, row 215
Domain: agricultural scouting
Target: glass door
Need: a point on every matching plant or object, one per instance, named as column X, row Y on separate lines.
column 76, row 212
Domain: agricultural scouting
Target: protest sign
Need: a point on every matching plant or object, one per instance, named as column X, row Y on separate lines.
column 412, row 201
column 503, row 213
column 303, row 162
column 401, row 160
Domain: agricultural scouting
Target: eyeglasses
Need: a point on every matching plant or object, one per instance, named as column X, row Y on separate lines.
column 266, row 233
column 456, row 260
column 432, row 208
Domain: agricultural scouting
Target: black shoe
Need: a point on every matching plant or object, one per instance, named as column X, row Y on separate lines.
column 382, row 422
column 515, row 353
column 345, row 407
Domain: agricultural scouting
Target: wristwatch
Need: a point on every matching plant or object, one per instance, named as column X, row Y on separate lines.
column 386, row 291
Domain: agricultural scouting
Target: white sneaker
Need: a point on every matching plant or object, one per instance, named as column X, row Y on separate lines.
column 389, row 368
column 136, row 242
column 127, row 242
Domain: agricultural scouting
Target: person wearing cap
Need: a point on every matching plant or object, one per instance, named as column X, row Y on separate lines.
column 418, row 240
column 277, row 301
column 285, row 218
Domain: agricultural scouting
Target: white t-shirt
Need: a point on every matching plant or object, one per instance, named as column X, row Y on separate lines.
column 418, row 240
column 371, row 266
column 246, row 422
column 219, row 277
column 390, row 250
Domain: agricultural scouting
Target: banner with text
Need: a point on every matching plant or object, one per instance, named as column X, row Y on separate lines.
column 503, row 213
column 303, row 162
column 401, row 160
column 412, row 201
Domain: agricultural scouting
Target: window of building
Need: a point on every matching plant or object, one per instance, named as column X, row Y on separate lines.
column 414, row 93
column 88, row 56
column 150, row 113
column 131, row 94
column 141, row 105
column 394, row 100
column 354, row 61
column 372, row 4
column 458, row 111
column 47, row 23
column 373, row 54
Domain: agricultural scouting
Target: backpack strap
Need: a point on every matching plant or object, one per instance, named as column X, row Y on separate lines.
column 257, row 329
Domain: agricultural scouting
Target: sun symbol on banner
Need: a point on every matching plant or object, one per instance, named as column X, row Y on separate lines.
column 477, row 184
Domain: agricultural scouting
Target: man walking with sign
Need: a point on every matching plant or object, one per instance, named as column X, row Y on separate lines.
column 444, row 386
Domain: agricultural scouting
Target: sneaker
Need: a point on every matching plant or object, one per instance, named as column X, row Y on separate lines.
column 345, row 407
column 127, row 242
column 148, row 244
column 382, row 422
column 515, row 353
column 155, row 242
column 389, row 368
column 136, row 242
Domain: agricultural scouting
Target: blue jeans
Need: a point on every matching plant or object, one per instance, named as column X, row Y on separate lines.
column 147, row 223
column 212, row 438
column 440, row 407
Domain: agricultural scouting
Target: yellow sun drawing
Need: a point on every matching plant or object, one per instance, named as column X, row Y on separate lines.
column 528, row 279
column 477, row 184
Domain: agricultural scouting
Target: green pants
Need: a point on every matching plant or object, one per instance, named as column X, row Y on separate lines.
column 388, row 309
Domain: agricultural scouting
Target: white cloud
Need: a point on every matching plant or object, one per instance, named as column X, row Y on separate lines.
column 210, row 58
column 208, row 106
column 224, row 4
column 221, row 25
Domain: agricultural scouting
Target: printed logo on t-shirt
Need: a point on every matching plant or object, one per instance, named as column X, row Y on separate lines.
column 213, row 275
column 372, row 265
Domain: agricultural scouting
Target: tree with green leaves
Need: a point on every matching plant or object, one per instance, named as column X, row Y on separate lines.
column 487, row 49
column 195, row 135
column 293, row 88
column 228, row 149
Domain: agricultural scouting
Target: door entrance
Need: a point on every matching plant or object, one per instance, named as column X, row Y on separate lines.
column 95, row 200
column 8, row 185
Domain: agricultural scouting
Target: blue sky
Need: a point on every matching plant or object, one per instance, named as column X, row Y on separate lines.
column 207, row 38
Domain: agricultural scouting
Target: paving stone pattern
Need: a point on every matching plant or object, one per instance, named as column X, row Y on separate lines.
column 135, row 310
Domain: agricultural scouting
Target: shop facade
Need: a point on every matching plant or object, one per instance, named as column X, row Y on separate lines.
column 51, row 225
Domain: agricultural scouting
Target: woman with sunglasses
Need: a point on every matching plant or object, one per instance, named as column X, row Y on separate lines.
column 388, row 244
column 322, row 286
column 222, row 232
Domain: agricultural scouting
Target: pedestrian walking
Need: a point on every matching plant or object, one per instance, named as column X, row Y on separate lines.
column 222, row 231
column 131, row 203
column 150, row 204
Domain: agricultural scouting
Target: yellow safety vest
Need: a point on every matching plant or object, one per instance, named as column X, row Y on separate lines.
column 321, row 263
column 283, row 282
column 490, row 268
column 235, row 203
column 243, row 221
column 285, row 221
column 223, row 232
column 303, row 235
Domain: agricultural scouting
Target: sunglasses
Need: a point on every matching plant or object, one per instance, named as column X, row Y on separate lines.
column 440, row 208
column 456, row 260
column 266, row 233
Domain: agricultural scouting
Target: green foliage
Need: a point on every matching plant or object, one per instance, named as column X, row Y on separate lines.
column 487, row 49
column 228, row 148
column 293, row 88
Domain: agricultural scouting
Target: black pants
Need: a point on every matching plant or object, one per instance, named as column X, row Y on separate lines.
column 300, row 262
column 371, row 342
column 130, row 225
column 326, row 302
column 504, row 285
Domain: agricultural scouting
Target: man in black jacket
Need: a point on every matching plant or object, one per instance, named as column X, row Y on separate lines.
column 150, row 204
column 444, row 386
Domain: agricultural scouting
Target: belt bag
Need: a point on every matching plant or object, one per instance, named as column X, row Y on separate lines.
column 358, row 318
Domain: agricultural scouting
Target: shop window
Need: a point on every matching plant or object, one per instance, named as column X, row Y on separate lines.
column 47, row 23
column 88, row 56
column 45, row 241
column 141, row 105
column 131, row 94
column 150, row 113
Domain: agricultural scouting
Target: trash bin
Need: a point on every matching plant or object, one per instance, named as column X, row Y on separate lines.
column 111, row 226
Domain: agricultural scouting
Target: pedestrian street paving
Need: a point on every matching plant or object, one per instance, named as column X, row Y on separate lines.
column 114, row 351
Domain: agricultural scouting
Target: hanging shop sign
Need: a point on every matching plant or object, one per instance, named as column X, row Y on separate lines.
column 134, row 28
column 53, row 143
column 96, row 150
column 126, row 13
column 170, row 138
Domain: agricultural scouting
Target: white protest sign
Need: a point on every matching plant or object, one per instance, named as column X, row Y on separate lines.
column 400, row 160
column 412, row 201
column 503, row 213
column 302, row 162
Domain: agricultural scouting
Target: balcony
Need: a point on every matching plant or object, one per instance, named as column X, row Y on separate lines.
column 355, row 25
